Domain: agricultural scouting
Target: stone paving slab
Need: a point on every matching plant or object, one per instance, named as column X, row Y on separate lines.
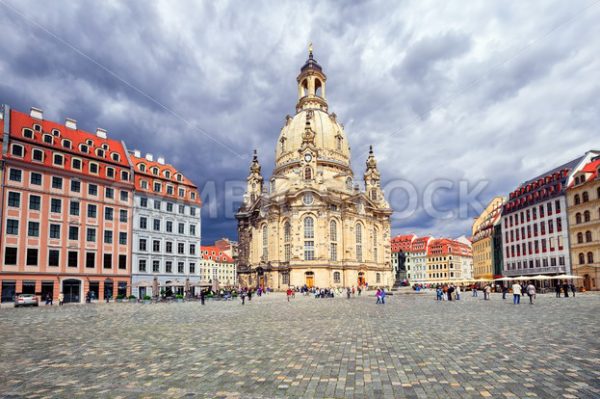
column 412, row 347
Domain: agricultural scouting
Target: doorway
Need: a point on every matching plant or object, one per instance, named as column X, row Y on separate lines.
column 310, row 279
column 361, row 279
column 71, row 290
column 587, row 284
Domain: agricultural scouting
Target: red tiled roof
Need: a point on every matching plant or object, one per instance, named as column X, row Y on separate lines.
column 77, row 137
column 162, row 168
column 446, row 246
column 219, row 255
column 591, row 168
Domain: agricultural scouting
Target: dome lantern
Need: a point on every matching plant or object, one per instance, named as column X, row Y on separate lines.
column 311, row 85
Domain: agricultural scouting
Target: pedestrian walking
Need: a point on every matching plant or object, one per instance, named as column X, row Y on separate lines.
column 289, row 294
column 504, row 291
column 61, row 298
column 557, row 289
column 378, row 296
column 573, row 289
column 439, row 293
column 458, row 292
column 566, row 289
column 348, row 292
column 531, row 292
column 249, row 294
column 382, row 296
column 474, row 290
column 202, row 296
column 516, row 293
column 243, row 296
column 487, row 291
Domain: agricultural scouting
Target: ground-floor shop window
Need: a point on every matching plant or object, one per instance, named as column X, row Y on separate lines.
column 8, row 291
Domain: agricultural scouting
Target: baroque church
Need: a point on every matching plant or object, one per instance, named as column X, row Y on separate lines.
column 312, row 224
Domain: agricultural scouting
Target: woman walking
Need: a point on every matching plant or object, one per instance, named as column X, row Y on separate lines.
column 531, row 292
column 516, row 293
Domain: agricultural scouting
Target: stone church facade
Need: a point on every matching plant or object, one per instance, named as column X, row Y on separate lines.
column 311, row 224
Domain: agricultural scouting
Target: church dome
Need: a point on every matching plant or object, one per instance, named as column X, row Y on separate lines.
column 329, row 137
column 312, row 125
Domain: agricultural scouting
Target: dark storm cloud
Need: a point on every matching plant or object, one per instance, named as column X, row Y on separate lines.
column 477, row 93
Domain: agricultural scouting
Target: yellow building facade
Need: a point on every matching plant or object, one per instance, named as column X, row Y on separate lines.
column 312, row 225
column 583, row 199
column 482, row 236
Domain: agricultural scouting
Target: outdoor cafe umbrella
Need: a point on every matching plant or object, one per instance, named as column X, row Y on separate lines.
column 504, row 279
column 566, row 276
column 143, row 284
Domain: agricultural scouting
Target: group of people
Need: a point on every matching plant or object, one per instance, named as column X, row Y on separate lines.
column 448, row 292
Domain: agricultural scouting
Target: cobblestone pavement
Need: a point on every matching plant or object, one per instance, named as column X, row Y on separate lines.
column 412, row 347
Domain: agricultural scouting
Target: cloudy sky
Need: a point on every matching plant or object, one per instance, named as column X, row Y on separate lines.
column 481, row 95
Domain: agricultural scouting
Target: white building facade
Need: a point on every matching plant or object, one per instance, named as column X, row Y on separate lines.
column 166, row 230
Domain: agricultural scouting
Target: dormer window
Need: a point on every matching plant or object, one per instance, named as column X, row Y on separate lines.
column 115, row 157
column 155, row 171
column 83, row 148
column 100, row 153
column 56, row 132
column 28, row 133
column 37, row 128
column 48, row 139
column 37, row 155
column 142, row 167
column 17, row 150
column 193, row 195
column 66, row 144
column 105, row 147
column 89, row 142
column 179, row 177
column 167, row 174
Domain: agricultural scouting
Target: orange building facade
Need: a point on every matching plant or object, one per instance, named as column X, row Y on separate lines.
column 66, row 202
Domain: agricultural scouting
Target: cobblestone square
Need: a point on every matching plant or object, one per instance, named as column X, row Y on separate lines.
column 411, row 347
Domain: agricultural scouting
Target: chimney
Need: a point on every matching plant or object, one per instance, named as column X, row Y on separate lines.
column 36, row 113
column 149, row 157
column 161, row 160
column 137, row 153
column 102, row 133
column 71, row 123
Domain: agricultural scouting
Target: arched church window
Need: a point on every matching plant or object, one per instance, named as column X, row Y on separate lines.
column 287, row 238
column 307, row 173
column 358, row 242
column 309, row 235
column 265, row 242
column 333, row 239
column 318, row 88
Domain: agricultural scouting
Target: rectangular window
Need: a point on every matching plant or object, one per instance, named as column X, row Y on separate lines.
column 53, row 257
column 122, row 262
column 36, row 179
column 58, row 159
column 94, row 168
column 108, row 237
column 143, row 223
column 192, row 229
column 10, row 256
column 124, row 196
column 14, row 199
column 182, row 209
column 156, row 223
column 72, row 260
column 109, row 193
column 550, row 226
column 122, row 238
column 32, row 257
column 181, row 192
column 157, row 205
column 91, row 235
column 74, row 208
column 144, row 202
column 75, row 186
column 333, row 252
column 92, row 211
column 156, row 187
column 192, row 249
column 35, row 202
column 107, row 264
column 549, row 208
column 93, row 189
column 559, row 224
column 73, row 233
column 12, row 227
column 33, row 229
column 55, row 231
column 110, row 172
column 90, row 260
column 169, row 227
column 108, row 213
column 156, row 246
column 180, row 267
column 156, row 266
column 192, row 211
column 181, row 228
column 541, row 208
column 169, row 247
column 169, row 267
column 180, row 248
column 309, row 250
column 142, row 265
column 76, row 164
column 142, row 244
column 192, row 268
column 170, row 190
column 123, row 215
column 57, row 182
column 557, row 206
column 169, row 207
column 15, row 174
column 55, row 205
